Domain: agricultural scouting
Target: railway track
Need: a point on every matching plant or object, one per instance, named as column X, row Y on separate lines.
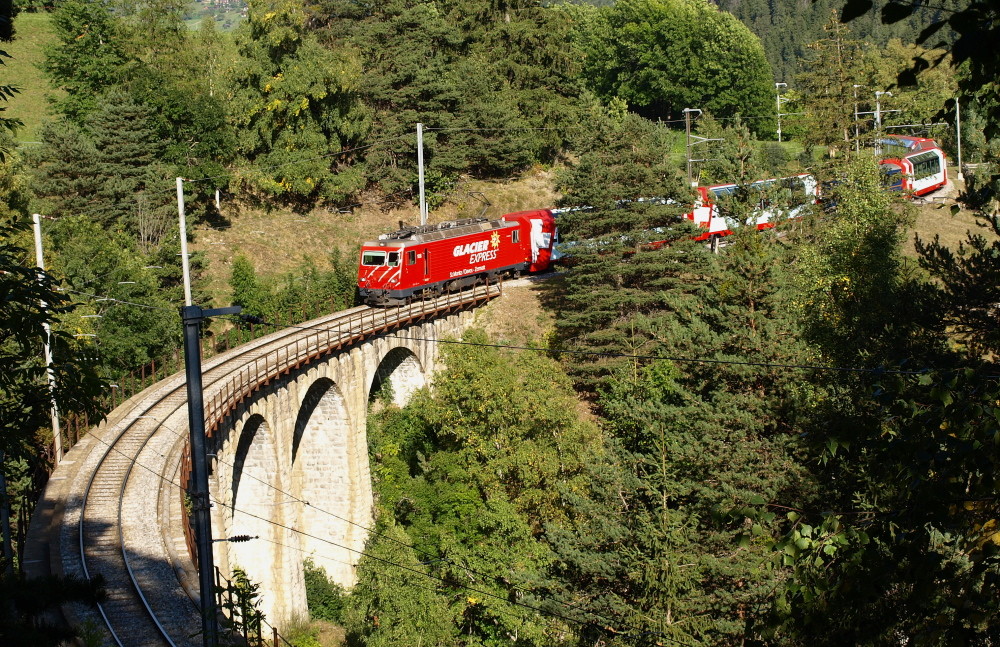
column 117, row 510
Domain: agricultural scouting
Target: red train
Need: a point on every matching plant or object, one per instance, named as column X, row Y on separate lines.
column 785, row 197
column 914, row 165
column 424, row 261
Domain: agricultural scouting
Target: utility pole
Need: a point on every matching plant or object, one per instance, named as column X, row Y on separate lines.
column 878, row 120
column 47, row 346
column 184, row 242
column 691, row 144
column 778, row 102
column 420, row 172
column 878, row 108
column 857, row 129
column 958, row 137
column 687, row 133
column 193, row 316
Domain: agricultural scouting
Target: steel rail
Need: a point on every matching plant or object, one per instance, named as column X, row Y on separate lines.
column 113, row 449
column 230, row 378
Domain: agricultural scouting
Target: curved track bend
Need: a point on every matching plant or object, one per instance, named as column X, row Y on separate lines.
column 122, row 482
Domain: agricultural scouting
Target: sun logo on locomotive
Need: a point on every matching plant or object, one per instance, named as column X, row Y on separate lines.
column 478, row 251
column 495, row 240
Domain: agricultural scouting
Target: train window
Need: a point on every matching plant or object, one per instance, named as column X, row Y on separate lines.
column 515, row 236
column 892, row 178
column 411, row 257
column 925, row 165
column 373, row 259
column 393, row 259
column 795, row 184
column 720, row 191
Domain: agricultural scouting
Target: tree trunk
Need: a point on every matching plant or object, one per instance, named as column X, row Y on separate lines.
column 6, row 551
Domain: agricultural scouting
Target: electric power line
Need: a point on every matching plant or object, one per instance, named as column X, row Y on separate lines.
column 135, row 461
column 294, row 499
column 98, row 297
column 679, row 359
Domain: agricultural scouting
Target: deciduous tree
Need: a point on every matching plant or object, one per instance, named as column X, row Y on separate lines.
column 467, row 478
column 293, row 104
column 89, row 56
column 662, row 56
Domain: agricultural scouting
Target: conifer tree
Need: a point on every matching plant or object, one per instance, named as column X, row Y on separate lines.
column 64, row 170
column 632, row 253
column 696, row 439
column 732, row 158
column 827, row 87
column 492, row 85
column 407, row 48
column 525, row 47
column 135, row 185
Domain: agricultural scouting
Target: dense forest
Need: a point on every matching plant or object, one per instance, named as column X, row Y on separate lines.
column 793, row 441
column 786, row 27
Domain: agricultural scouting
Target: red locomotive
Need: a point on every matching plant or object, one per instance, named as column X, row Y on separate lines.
column 913, row 165
column 423, row 261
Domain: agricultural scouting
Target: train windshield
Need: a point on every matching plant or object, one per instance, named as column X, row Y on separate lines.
column 373, row 259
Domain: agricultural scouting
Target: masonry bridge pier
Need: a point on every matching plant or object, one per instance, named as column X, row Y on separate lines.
column 286, row 420
column 296, row 453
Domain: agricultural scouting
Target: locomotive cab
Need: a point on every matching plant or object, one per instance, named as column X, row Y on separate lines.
column 380, row 272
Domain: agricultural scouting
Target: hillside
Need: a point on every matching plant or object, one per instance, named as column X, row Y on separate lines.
column 228, row 14
column 934, row 218
column 33, row 32
column 785, row 27
column 278, row 242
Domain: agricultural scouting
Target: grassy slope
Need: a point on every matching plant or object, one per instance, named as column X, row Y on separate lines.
column 277, row 242
column 33, row 31
column 935, row 219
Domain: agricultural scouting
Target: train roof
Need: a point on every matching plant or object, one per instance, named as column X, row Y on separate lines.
column 441, row 230
column 727, row 189
column 908, row 142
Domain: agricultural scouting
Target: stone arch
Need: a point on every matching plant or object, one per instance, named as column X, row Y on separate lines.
column 254, row 503
column 401, row 369
column 326, row 477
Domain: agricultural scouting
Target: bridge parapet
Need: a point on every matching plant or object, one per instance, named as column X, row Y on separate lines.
column 361, row 324
column 290, row 438
column 305, row 392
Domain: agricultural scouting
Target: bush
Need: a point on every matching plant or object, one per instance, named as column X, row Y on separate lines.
column 325, row 598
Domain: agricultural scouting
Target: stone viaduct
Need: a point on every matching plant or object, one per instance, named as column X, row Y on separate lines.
column 286, row 418
column 292, row 462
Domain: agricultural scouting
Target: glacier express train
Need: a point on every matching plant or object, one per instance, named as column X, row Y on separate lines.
column 913, row 165
column 424, row 261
